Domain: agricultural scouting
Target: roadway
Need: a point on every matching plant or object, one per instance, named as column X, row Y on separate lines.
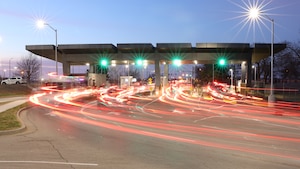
column 123, row 130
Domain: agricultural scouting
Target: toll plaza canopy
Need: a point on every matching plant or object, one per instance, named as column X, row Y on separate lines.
column 77, row 54
column 203, row 53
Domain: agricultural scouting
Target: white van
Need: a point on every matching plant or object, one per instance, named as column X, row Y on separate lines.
column 13, row 80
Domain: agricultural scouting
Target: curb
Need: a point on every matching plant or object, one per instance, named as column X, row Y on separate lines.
column 18, row 130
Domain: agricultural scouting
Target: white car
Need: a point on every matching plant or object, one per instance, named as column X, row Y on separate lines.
column 13, row 80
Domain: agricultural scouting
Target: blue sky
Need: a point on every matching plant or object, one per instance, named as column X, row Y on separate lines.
column 139, row 21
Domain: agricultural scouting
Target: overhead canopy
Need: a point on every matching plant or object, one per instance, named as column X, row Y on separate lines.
column 68, row 52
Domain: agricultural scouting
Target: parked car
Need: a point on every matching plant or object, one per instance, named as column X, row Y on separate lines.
column 13, row 80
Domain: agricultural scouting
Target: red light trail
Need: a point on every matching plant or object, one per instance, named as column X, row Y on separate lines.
column 121, row 106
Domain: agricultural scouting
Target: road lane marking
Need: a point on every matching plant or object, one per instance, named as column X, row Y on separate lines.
column 141, row 110
column 51, row 162
column 178, row 111
column 238, row 110
column 113, row 113
column 245, row 118
column 278, row 125
column 206, row 118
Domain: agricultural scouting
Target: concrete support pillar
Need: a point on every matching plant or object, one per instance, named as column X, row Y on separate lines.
column 244, row 72
column 92, row 68
column 249, row 72
column 166, row 74
column 157, row 76
column 66, row 68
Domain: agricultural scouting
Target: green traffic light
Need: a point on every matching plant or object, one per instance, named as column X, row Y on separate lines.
column 177, row 62
column 139, row 62
column 103, row 62
column 222, row 62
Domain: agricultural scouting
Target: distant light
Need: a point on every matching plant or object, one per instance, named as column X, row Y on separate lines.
column 145, row 63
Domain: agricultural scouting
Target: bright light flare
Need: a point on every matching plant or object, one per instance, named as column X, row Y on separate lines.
column 254, row 13
column 177, row 62
column 40, row 23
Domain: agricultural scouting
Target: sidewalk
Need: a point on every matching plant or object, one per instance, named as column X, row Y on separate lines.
column 11, row 102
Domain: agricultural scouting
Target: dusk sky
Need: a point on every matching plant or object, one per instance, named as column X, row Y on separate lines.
column 140, row 21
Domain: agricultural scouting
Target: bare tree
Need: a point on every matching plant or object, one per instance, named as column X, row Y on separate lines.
column 29, row 67
column 294, row 48
column 288, row 62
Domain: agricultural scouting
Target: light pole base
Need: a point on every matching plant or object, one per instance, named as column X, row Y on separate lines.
column 271, row 100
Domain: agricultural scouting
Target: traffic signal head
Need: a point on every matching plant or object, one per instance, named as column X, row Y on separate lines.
column 104, row 62
column 176, row 62
column 139, row 61
column 222, row 62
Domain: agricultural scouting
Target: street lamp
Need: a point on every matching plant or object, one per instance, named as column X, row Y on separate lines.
column 4, row 73
column 127, row 66
column 231, row 78
column 254, row 13
column 9, row 74
column 41, row 24
column 194, row 69
column 213, row 67
column 254, row 67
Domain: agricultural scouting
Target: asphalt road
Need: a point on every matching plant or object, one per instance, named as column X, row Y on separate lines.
column 154, row 133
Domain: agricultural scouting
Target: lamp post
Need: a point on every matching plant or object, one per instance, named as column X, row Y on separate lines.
column 127, row 66
column 213, row 67
column 194, row 70
column 9, row 74
column 231, row 78
column 41, row 24
column 271, row 97
column 254, row 67
column 255, row 13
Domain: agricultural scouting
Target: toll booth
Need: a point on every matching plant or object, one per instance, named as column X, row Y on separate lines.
column 125, row 81
column 96, row 80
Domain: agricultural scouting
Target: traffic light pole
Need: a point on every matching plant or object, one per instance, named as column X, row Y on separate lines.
column 213, row 78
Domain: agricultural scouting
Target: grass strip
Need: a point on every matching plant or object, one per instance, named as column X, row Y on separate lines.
column 8, row 118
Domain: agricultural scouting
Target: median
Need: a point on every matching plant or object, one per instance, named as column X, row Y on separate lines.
column 9, row 118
